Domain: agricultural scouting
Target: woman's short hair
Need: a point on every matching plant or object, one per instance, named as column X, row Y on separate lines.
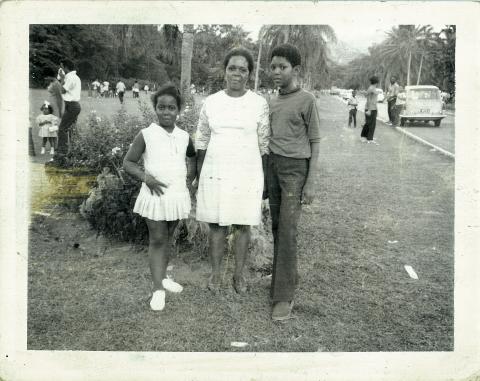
column 373, row 79
column 168, row 89
column 289, row 52
column 239, row 52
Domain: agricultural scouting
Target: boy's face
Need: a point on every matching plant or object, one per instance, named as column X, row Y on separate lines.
column 282, row 72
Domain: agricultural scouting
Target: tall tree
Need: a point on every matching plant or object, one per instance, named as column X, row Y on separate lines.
column 311, row 41
column 187, row 52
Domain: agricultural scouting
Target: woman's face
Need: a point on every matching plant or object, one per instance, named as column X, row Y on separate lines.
column 166, row 110
column 236, row 73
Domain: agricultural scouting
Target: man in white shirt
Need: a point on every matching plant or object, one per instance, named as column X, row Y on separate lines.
column 120, row 90
column 392, row 93
column 71, row 88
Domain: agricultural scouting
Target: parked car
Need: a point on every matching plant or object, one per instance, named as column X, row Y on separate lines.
column 420, row 103
column 380, row 96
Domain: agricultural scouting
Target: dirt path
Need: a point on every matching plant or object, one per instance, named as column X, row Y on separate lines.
column 378, row 209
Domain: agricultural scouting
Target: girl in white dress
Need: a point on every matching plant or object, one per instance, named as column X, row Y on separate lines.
column 48, row 127
column 164, row 198
column 232, row 142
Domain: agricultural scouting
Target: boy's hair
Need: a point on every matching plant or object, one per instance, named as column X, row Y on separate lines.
column 239, row 52
column 289, row 52
column 373, row 79
column 168, row 89
column 49, row 107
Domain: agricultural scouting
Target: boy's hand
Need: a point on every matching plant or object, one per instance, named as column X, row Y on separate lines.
column 308, row 193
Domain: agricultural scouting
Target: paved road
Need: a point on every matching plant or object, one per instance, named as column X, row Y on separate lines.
column 442, row 137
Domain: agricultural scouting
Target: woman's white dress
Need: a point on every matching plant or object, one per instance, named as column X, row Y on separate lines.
column 165, row 159
column 234, row 131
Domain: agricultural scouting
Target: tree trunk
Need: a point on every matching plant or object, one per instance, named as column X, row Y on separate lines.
column 420, row 70
column 257, row 71
column 186, row 56
column 286, row 34
column 408, row 68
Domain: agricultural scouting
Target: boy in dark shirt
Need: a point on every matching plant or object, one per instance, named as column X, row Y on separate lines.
column 291, row 170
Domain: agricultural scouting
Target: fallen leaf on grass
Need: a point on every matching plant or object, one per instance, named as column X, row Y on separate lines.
column 392, row 241
column 42, row 214
column 238, row 344
column 411, row 272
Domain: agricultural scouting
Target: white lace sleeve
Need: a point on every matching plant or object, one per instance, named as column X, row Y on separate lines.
column 263, row 129
column 202, row 136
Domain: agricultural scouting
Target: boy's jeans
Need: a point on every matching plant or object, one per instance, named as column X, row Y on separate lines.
column 285, row 178
column 352, row 116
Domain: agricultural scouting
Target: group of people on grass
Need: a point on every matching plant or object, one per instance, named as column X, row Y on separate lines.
column 371, row 110
column 245, row 150
column 65, row 90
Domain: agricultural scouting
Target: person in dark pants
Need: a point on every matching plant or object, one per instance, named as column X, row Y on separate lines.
column 121, row 90
column 291, row 170
column 352, row 109
column 392, row 93
column 370, row 111
column 71, row 88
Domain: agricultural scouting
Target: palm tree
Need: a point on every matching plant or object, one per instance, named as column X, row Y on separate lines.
column 311, row 41
column 186, row 57
column 403, row 42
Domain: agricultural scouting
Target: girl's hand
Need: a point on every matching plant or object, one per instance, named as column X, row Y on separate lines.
column 155, row 186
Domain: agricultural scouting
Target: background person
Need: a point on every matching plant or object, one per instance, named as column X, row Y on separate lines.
column 352, row 109
column 232, row 143
column 71, row 89
column 392, row 93
column 120, row 90
column 370, row 111
column 48, row 127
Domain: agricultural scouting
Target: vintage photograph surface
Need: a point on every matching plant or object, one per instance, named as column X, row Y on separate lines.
column 241, row 187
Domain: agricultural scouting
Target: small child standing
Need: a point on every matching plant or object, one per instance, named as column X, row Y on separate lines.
column 352, row 109
column 291, row 171
column 164, row 198
column 48, row 127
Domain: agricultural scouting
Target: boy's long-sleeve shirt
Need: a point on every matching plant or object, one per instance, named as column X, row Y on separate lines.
column 352, row 103
column 295, row 124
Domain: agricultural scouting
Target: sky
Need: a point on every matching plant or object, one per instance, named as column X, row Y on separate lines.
column 363, row 36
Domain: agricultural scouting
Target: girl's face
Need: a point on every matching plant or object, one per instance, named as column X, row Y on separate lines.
column 45, row 111
column 236, row 73
column 167, row 110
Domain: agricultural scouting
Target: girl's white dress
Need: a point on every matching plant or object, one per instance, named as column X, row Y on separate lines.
column 235, row 133
column 44, row 122
column 165, row 159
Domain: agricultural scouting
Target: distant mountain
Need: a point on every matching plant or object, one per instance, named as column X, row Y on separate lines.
column 342, row 53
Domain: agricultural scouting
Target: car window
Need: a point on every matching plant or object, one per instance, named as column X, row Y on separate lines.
column 424, row 94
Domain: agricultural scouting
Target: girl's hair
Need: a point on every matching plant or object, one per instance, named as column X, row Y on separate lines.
column 289, row 52
column 373, row 79
column 168, row 89
column 49, row 108
column 239, row 52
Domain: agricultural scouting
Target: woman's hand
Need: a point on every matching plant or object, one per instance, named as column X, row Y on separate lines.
column 155, row 186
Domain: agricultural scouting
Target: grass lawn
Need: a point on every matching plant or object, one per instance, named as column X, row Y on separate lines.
column 378, row 208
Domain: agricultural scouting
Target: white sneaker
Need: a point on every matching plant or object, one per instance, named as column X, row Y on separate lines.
column 52, row 151
column 171, row 286
column 157, row 303
column 42, row 152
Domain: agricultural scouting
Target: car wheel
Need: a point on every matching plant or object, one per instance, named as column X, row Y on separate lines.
column 437, row 122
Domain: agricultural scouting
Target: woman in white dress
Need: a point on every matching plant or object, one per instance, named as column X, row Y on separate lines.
column 232, row 146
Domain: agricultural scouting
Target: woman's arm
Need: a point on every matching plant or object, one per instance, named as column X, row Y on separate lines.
column 263, row 132
column 202, row 138
column 130, row 164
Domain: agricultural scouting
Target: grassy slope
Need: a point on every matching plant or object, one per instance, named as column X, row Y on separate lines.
column 354, row 293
